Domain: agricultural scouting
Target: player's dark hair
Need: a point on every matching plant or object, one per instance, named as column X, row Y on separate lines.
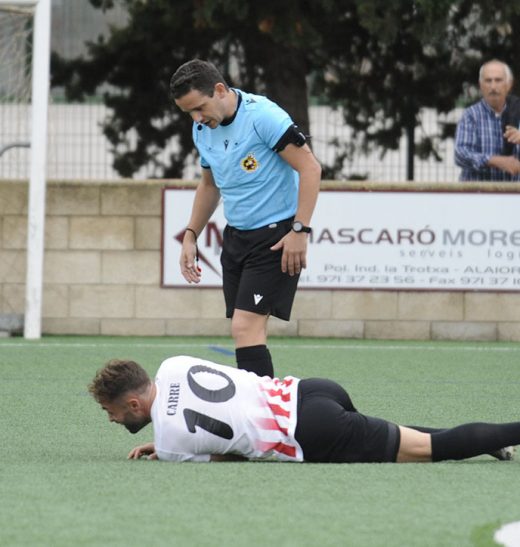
column 196, row 74
column 116, row 378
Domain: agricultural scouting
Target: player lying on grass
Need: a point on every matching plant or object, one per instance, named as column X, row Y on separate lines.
column 202, row 411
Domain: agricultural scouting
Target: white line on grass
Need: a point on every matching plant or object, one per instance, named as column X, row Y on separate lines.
column 360, row 347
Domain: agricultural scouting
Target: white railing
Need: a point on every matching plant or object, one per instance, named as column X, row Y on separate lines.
column 77, row 148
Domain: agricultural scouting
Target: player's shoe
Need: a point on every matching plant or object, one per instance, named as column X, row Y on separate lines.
column 504, row 454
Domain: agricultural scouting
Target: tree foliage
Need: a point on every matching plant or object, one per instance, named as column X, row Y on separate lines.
column 403, row 56
column 380, row 61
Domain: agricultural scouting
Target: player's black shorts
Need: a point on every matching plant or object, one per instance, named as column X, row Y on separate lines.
column 252, row 274
column 330, row 430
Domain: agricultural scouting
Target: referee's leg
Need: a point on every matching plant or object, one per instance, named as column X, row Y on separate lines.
column 249, row 331
column 255, row 288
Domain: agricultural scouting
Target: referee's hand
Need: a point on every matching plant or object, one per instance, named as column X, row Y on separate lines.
column 294, row 252
column 189, row 267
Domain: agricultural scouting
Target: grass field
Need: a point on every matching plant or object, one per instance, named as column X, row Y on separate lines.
column 65, row 480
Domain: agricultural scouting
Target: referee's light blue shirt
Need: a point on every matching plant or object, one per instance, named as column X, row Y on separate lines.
column 257, row 186
column 479, row 136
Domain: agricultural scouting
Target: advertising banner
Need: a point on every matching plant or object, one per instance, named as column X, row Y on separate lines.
column 380, row 240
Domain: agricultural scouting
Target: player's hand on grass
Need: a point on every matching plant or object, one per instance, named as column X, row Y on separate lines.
column 143, row 450
column 294, row 255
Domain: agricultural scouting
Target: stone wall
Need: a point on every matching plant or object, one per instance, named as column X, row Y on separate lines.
column 102, row 276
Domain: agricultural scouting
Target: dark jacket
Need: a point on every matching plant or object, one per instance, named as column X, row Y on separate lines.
column 510, row 116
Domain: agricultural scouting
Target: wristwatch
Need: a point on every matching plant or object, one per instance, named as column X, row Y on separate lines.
column 298, row 227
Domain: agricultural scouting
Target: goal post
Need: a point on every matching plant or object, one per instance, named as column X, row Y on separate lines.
column 38, row 159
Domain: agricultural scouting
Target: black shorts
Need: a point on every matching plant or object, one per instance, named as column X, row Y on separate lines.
column 330, row 429
column 252, row 274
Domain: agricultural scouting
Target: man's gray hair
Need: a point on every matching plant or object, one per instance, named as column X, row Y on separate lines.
column 507, row 68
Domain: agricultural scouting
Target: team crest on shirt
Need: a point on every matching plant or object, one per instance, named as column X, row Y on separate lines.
column 249, row 163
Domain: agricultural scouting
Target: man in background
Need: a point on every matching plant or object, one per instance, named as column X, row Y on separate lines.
column 487, row 137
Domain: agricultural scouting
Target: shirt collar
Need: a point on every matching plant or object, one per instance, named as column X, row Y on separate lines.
column 230, row 120
column 491, row 111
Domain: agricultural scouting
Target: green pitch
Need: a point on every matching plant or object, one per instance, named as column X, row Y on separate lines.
column 65, row 480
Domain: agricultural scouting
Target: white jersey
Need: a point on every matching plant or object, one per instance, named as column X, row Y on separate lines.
column 202, row 408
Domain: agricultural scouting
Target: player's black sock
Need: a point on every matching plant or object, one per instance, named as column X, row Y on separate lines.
column 495, row 453
column 255, row 359
column 469, row 440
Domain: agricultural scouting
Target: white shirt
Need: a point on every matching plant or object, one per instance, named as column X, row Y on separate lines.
column 202, row 408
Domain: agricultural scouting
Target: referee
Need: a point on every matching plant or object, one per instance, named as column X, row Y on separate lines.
column 256, row 160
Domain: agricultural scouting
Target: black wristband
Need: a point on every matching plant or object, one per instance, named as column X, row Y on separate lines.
column 192, row 231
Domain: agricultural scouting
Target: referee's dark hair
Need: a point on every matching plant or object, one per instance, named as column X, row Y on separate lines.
column 195, row 74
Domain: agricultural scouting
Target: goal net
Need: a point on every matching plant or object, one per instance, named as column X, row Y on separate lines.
column 16, row 39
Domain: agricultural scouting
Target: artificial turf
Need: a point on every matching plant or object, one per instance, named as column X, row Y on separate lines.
column 65, row 480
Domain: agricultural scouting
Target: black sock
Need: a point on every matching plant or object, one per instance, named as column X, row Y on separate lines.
column 255, row 359
column 469, row 440
column 430, row 430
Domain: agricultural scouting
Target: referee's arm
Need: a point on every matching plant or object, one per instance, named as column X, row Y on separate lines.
column 302, row 160
column 294, row 245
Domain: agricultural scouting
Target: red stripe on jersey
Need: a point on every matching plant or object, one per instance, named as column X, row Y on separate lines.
column 270, row 424
column 285, row 382
column 286, row 397
column 277, row 447
column 278, row 383
column 279, row 411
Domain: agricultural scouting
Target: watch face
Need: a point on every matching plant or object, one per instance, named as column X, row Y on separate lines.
column 298, row 227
